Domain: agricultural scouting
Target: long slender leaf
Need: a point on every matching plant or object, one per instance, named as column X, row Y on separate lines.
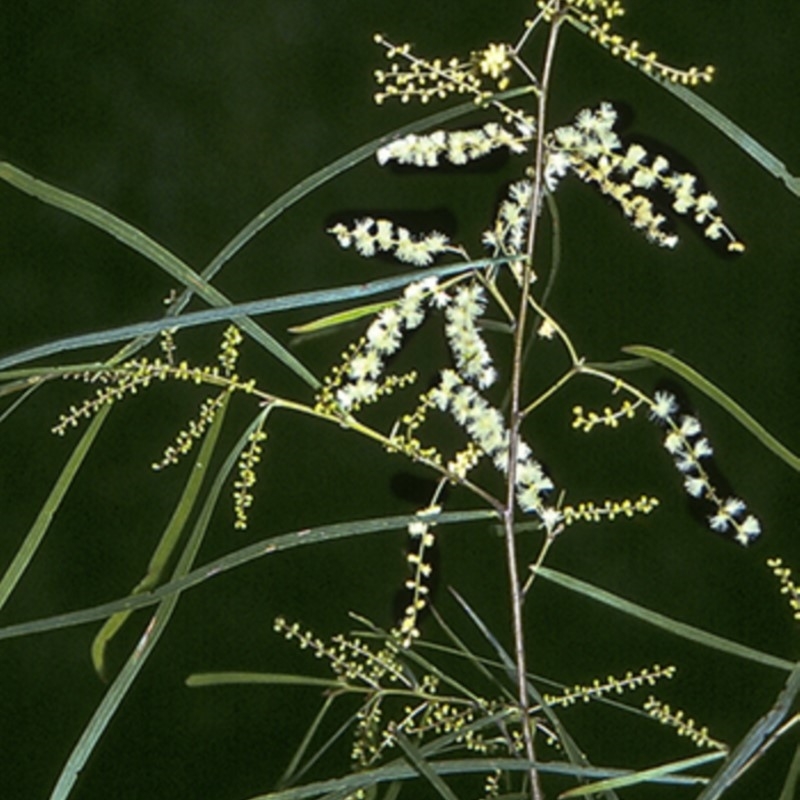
column 41, row 525
column 681, row 629
column 259, row 678
column 718, row 396
column 269, row 305
column 158, row 622
column 644, row 775
column 150, row 249
column 403, row 772
column 418, row 761
column 158, row 563
column 340, row 318
column 771, row 163
column 265, row 547
column 737, row 761
column 294, row 764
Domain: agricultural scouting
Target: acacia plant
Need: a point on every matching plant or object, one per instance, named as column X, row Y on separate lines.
column 431, row 708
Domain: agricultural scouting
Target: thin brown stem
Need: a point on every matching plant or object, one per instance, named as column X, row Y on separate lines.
column 516, row 418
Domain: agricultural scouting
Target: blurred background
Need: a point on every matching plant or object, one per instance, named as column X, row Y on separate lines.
column 186, row 120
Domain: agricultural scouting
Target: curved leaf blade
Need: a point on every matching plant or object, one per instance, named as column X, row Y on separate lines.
column 662, row 621
column 265, row 547
column 118, row 690
column 722, row 399
column 141, row 243
column 41, row 525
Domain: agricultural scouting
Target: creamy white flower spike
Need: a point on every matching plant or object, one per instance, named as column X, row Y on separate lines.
column 685, row 442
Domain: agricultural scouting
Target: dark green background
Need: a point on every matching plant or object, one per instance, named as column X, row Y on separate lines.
column 186, row 119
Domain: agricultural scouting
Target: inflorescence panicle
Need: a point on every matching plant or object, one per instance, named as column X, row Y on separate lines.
column 591, row 149
column 417, row 709
column 139, row 374
column 424, row 79
column 427, row 79
column 595, row 17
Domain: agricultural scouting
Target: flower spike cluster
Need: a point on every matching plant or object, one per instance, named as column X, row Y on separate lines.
column 685, row 726
column 689, row 448
column 359, row 379
column 612, row 685
column 485, row 426
column 457, row 147
column 472, row 357
column 507, row 236
column 370, row 236
column 592, row 150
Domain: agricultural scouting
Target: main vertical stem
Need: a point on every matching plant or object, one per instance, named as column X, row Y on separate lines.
column 516, row 420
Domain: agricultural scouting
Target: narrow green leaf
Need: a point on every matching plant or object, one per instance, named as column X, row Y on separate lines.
column 681, row 629
column 417, row 760
column 265, row 547
column 108, row 223
column 790, row 785
column 150, row 249
column 341, row 318
column 291, row 772
column 122, row 684
column 737, row 135
column 259, row 678
column 718, row 396
column 41, row 525
column 645, row 775
column 742, row 756
column 158, row 564
column 400, row 771
column 269, row 305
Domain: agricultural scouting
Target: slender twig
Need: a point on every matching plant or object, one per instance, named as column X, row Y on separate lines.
column 516, row 418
